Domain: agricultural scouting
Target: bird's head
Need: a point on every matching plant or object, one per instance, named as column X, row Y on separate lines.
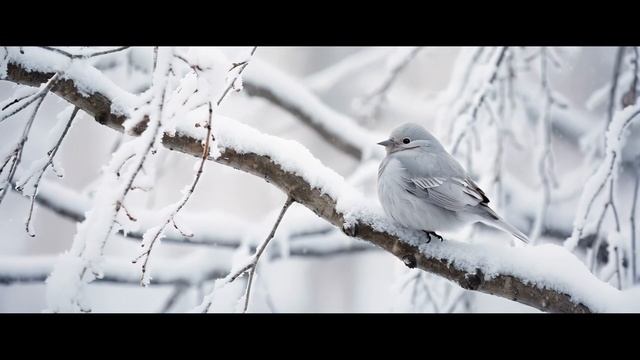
column 410, row 136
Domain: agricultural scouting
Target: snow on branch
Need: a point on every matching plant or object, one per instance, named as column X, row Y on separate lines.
column 546, row 277
column 604, row 176
column 189, row 270
column 265, row 81
column 306, row 234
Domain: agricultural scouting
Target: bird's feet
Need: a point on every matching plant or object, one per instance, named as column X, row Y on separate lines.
column 432, row 233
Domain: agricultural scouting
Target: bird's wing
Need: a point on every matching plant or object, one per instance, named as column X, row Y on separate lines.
column 439, row 179
column 451, row 193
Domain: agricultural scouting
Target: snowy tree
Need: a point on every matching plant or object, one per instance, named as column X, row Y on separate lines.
column 151, row 216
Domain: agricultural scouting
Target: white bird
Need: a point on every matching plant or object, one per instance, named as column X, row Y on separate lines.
column 422, row 187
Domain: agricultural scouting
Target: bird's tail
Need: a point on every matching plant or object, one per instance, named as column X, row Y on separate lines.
column 497, row 222
column 505, row 226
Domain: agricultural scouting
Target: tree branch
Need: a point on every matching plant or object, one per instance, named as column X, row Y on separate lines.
column 265, row 81
column 317, row 242
column 472, row 266
column 36, row 269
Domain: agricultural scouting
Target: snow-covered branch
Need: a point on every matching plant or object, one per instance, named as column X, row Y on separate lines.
column 605, row 174
column 265, row 81
column 547, row 277
column 189, row 270
column 307, row 236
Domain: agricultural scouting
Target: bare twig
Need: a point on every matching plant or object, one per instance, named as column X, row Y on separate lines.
column 84, row 56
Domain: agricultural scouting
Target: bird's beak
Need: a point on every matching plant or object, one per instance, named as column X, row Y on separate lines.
column 386, row 142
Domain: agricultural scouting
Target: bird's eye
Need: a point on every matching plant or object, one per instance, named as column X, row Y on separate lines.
column 406, row 140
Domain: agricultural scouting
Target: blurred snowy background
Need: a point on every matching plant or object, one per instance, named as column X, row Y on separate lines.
column 379, row 88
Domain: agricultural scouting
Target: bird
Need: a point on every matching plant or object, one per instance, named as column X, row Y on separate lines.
column 422, row 187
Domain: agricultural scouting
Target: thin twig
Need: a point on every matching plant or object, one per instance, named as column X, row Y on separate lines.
column 99, row 53
column 84, row 56
column 250, row 265
column 28, row 100
column 260, row 250
column 17, row 152
column 52, row 153
column 182, row 203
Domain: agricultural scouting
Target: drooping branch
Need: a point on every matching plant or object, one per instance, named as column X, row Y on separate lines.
column 472, row 266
